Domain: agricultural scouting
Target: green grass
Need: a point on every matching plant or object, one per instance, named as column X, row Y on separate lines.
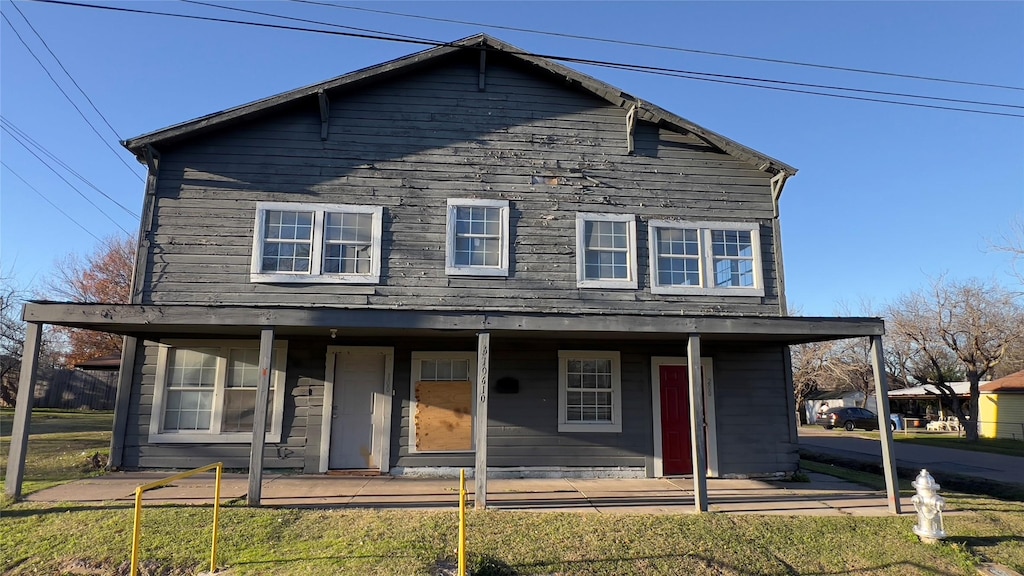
column 63, row 446
column 78, row 539
column 1003, row 446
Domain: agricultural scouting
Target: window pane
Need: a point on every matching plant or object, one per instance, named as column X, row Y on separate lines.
column 477, row 239
column 677, row 242
column 600, row 234
column 243, row 367
column 606, row 265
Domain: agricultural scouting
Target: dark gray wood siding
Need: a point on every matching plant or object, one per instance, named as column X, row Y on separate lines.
column 408, row 144
column 754, row 423
column 754, row 435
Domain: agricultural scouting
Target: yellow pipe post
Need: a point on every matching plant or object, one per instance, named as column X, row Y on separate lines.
column 462, row 522
column 137, row 530
column 216, row 518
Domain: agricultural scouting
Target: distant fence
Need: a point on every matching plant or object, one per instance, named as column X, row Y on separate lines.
column 75, row 389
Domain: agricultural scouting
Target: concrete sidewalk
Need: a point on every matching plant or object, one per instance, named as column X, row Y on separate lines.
column 822, row 496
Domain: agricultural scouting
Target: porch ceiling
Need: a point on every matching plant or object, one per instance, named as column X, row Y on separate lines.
column 152, row 321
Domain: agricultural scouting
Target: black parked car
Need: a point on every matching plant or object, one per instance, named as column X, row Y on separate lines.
column 849, row 417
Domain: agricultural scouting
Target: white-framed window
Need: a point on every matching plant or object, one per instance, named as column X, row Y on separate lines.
column 589, row 391
column 705, row 258
column 478, row 238
column 442, row 406
column 300, row 242
column 205, row 391
column 605, row 250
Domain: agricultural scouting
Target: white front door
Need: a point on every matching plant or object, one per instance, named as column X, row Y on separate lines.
column 359, row 395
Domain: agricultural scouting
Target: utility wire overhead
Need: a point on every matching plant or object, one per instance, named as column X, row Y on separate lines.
column 66, row 96
column 68, row 74
column 640, row 67
column 24, row 135
column 624, row 66
column 50, row 202
column 59, row 175
column 660, row 46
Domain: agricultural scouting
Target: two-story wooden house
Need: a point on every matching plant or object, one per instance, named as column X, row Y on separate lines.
column 467, row 257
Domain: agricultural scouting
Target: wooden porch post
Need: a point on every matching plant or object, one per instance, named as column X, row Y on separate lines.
column 892, row 486
column 259, row 418
column 483, row 360
column 122, row 400
column 700, row 466
column 23, row 409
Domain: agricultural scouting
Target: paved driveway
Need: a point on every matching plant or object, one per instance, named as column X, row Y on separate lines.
column 981, row 464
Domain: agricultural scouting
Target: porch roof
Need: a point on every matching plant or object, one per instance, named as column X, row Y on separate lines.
column 181, row 320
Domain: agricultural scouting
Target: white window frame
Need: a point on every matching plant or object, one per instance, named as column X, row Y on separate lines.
column 415, row 377
column 563, row 379
column 315, row 273
column 581, row 259
column 707, row 258
column 157, row 435
column 453, row 269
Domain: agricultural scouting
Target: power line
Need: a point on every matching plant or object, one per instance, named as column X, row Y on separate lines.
column 50, row 202
column 662, row 47
column 61, row 163
column 416, row 38
column 72, row 102
column 59, row 63
column 624, row 66
column 646, row 68
column 59, row 175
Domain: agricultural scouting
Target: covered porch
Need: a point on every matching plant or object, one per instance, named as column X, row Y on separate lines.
column 686, row 334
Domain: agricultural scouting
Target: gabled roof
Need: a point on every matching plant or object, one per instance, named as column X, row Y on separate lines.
column 1012, row 383
column 645, row 110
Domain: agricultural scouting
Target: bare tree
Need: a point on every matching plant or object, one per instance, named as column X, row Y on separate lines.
column 1012, row 243
column 12, row 339
column 104, row 276
column 972, row 321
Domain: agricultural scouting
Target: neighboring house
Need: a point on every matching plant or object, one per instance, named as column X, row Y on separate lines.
column 819, row 402
column 469, row 257
column 1001, row 407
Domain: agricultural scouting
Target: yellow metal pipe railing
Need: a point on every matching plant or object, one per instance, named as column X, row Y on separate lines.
column 462, row 523
column 137, row 530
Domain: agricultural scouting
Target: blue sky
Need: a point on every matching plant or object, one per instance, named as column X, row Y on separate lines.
column 886, row 198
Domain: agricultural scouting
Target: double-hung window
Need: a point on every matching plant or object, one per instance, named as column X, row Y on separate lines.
column 478, row 238
column 589, row 391
column 294, row 242
column 206, row 392
column 605, row 250
column 705, row 258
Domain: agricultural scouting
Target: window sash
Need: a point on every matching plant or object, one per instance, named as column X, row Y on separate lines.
column 605, row 250
column 727, row 259
column 589, row 394
column 477, row 237
column 343, row 243
column 217, row 411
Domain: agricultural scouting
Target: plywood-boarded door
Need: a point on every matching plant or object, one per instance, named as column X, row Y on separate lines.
column 359, row 405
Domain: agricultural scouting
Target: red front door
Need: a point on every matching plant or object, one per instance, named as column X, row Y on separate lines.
column 676, row 455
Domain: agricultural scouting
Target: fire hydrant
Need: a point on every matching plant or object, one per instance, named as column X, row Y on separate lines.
column 929, row 507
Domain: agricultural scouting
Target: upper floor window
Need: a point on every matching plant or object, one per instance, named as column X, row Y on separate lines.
column 478, row 239
column 605, row 250
column 296, row 242
column 205, row 391
column 705, row 258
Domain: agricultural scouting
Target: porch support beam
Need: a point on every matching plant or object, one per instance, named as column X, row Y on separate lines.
column 23, row 410
column 483, row 360
column 259, row 422
column 885, row 432
column 122, row 401
column 696, row 386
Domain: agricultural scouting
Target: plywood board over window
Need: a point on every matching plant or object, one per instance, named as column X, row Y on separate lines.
column 444, row 416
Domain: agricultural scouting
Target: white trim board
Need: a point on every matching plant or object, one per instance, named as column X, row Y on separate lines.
column 709, row 410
